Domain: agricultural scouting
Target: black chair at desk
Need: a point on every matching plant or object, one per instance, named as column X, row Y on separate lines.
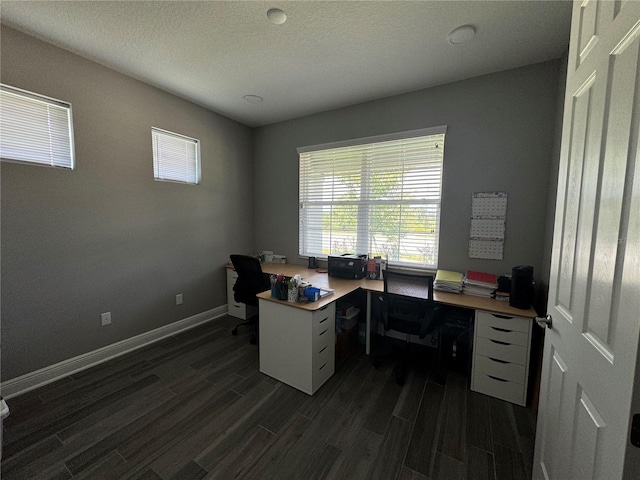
column 408, row 307
column 251, row 281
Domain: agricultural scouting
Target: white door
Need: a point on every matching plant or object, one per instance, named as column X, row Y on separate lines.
column 590, row 351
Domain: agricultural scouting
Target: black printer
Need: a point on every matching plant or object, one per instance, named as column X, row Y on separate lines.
column 347, row 265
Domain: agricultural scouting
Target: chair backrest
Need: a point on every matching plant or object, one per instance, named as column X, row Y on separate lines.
column 251, row 280
column 407, row 303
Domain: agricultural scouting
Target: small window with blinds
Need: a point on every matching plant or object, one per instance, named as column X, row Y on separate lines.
column 377, row 195
column 35, row 129
column 176, row 158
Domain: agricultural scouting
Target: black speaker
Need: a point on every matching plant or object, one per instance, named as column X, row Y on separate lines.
column 521, row 287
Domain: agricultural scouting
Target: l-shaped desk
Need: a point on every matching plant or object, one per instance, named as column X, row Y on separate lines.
column 297, row 340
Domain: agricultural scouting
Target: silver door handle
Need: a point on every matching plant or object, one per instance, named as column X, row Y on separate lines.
column 544, row 321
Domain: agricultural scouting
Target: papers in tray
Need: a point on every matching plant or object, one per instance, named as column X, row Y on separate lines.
column 448, row 276
column 482, row 279
column 478, row 291
column 480, row 284
column 447, row 281
column 325, row 291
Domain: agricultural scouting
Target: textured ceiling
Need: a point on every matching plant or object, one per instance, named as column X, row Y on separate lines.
column 327, row 54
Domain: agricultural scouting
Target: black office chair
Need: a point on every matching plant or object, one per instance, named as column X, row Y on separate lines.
column 408, row 307
column 251, row 281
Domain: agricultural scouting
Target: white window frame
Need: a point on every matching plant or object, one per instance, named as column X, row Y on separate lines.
column 35, row 129
column 343, row 175
column 176, row 157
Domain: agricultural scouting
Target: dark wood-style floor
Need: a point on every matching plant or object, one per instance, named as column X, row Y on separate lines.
column 196, row 406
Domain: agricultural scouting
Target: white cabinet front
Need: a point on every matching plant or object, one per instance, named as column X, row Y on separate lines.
column 297, row 346
column 501, row 352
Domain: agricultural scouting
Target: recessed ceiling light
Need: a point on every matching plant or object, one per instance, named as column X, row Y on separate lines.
column 276, row 16
column 462, row 34
column 252, row 98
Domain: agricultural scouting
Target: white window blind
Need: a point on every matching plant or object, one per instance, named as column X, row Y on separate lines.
column 35, row 129
column 379, row 195
column 176, row 158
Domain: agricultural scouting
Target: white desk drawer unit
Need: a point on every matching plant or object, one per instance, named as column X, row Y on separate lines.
column 237, row 309
column 297, row 346
column 501, row 353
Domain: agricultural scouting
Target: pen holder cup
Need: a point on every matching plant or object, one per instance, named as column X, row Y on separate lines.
column 293, row 294
column 274, row 291
column 282, row 291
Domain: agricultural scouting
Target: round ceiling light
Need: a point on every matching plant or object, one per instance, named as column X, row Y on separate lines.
column 462, row 34
column 252, row 98
column 276, row 16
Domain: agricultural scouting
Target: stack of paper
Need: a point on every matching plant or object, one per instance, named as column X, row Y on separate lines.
column 480, row 284
column 447, row 281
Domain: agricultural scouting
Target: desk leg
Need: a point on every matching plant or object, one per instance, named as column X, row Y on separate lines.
column 367, row 328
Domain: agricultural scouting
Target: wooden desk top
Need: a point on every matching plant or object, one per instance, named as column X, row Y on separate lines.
column 342, row 287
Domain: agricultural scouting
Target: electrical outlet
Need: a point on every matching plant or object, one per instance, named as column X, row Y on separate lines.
column 105, row 318
column 179, row 299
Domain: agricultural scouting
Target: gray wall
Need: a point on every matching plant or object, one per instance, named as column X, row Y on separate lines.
column 500, row 137
column 106, row 236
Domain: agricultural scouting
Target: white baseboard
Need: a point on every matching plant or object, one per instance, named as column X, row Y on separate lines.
column 30, row 381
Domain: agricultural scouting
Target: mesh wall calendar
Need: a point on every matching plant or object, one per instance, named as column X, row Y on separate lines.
column 488, row 217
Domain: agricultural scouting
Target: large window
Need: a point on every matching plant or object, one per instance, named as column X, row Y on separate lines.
column 377, row 195
column 176, row 158
column 35, row 129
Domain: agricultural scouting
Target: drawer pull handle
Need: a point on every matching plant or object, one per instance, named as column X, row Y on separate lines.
column 497, row 360
column 323, row 308
column 499, row 342
column 325, row 363
column 324, row 332
column 498, row 379
column 323, row 320
column 323, row 349
column 502, row 329
column 501, row 316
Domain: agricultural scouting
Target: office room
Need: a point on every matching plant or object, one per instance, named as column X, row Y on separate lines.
column 117, row 353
